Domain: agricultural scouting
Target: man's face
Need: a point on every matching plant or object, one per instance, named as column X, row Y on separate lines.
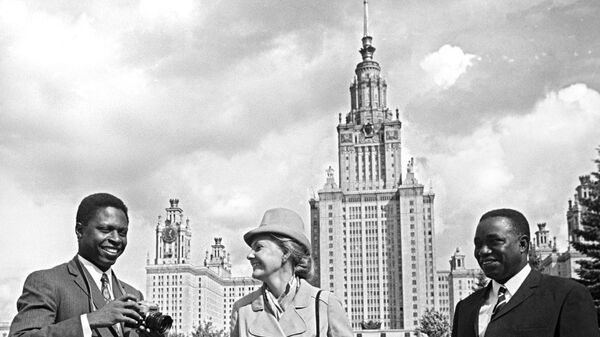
column 104, row 238
column 500, row 252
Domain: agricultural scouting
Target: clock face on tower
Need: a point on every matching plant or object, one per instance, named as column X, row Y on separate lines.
column 169, row 234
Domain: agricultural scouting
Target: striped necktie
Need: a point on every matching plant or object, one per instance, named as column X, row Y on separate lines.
column 501, row 300
column 108, row 298
column 105, row 289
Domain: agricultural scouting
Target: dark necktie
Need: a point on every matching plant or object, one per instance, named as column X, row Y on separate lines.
column 501, row 300
column 105, row 289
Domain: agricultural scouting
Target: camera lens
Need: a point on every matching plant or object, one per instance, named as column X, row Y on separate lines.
column 156, row 321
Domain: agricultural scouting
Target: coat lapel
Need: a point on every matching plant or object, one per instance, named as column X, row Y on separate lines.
column 264, row 324
column 475, row 310
column 98, row 300
column 118, row 291
column 77, row 277
column 291, row 322
column 525, row 290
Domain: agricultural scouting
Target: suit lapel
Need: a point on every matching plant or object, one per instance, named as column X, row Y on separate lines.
column 118, row 291
column 475, row 309
column 97, row 296
column 98, row 300
column 525, row 290
column 77, row 277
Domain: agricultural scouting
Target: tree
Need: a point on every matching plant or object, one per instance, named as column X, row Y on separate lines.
column 482, row 281
column 434, row 324
column 208, row 330
column 588, row 242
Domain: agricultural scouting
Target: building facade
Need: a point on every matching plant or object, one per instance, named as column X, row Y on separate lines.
column 462, row 281
column 373, row 229
column 564, row 264
column 191, row 294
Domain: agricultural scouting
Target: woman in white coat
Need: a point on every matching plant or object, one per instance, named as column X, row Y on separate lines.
column 286, row 304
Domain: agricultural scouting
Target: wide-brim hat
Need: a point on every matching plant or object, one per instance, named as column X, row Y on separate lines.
column 280, row 221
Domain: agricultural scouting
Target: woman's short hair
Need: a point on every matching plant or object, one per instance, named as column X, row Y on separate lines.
column 299, row 256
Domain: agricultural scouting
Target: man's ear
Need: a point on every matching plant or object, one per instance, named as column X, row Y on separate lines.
column 524, row 243
column 79, row 230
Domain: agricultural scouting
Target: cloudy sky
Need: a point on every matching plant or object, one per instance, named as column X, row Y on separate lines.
column 231, row 106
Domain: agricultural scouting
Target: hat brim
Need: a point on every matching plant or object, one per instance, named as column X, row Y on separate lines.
column 270, row 229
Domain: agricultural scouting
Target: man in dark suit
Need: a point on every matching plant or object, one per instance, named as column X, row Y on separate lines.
column 520, row 301
column 83, row 297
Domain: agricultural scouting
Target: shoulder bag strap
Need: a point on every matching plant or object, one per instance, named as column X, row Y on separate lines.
column 317, row 312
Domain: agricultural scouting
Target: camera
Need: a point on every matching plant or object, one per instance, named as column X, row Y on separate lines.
column 153, row 319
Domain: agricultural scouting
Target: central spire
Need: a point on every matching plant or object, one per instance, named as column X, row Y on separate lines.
column 367, row 50
column 366, row 21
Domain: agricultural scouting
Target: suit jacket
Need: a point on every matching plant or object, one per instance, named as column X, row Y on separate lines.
column 249, row 317
column 53, row 301
column 543, row 306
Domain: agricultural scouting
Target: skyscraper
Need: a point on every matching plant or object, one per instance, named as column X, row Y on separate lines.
column 373, row 229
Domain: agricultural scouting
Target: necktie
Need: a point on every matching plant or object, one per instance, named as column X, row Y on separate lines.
column 105, row 289
column 501, row 300
column 108, row 298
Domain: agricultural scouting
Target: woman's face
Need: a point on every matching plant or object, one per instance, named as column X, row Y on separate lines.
column 266, row 257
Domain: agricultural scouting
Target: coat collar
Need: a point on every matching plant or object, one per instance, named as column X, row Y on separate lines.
column 302, row 299
column 291, row 322
column 527, row 288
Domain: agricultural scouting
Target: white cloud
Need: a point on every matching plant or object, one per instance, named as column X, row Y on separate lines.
column 529, row 162
column 446, row 65
column 173, row 11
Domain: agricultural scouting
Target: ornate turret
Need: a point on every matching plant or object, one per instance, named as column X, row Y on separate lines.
column 369, row 140
column 218, row 261
column 368, row 91
column 173, row 236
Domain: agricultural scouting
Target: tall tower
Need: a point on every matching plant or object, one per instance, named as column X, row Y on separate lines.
column 173, row 237
column 373, row 232
column 369, row 140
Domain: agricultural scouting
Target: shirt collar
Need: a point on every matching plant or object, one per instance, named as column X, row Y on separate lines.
column 95, row 272
column 514, row 283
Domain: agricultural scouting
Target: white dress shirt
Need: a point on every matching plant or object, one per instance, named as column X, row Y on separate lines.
column 512, row 285
column 96, row 275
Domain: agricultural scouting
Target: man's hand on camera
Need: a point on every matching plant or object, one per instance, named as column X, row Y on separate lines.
column 122, row 310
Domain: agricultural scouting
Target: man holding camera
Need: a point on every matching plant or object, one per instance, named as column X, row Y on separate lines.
column 83, row 297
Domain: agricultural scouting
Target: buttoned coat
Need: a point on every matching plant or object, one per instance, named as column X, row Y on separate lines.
column 249, row 317
column 53, row 301
column 544, row 306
